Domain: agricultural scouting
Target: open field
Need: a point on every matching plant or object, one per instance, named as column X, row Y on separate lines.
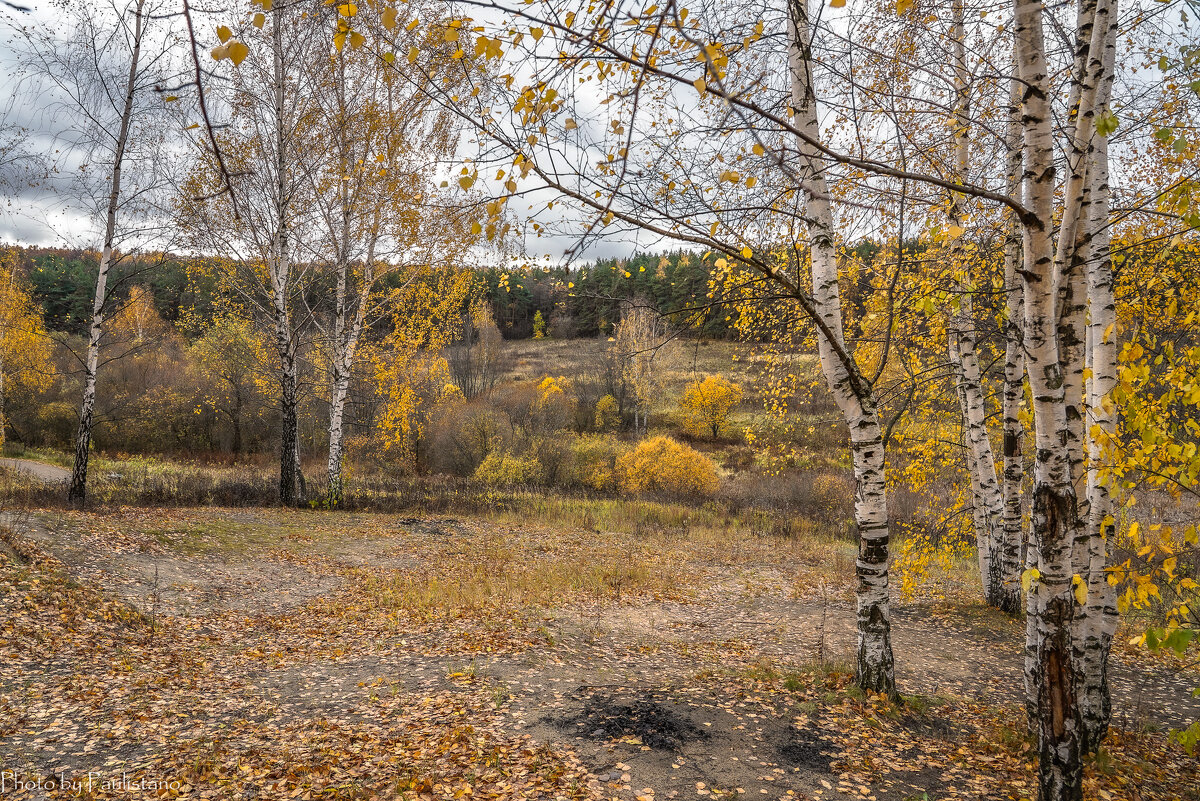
column 582, row 652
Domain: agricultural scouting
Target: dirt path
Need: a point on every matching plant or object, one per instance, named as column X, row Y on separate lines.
column 727, row 693
column 51, row 474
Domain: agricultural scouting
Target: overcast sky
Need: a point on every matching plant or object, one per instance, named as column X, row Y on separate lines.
column 48, row 215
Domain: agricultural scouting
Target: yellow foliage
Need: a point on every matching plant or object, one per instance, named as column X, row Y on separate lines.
column 505, row 469
column 608, row 413
column 662, row 465
column 596, row 460
column 24, row 348
column 706, row 404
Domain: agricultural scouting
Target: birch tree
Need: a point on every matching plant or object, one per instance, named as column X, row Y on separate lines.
column 105, row 74
column 875, row 665
column 986, row 499
column 250, row 200
column 708, row 133
column 384, row 222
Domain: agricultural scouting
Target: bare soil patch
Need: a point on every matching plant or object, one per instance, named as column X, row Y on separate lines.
column 265, row 654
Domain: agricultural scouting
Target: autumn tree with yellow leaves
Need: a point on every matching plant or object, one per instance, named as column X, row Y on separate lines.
column 24, row 346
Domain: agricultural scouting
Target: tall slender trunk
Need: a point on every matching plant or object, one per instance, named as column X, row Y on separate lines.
column 853, row 394
column 77, row 492
column 1012, row 547
column 1053, row 365
column 1094, row 638
column 238, row 404
column 3, row 422
column 280, row 269
column 986, row 500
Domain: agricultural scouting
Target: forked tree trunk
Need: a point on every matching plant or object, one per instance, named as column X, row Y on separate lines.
column 875, row 668
column 1094, row 639
column 77, row 492
column 986, row 500
column 1012, row 547
column 1051, row 367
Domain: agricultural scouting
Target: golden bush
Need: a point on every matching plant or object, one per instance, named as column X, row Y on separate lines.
column 661, row 465
column 506, row 470
column 706, row 405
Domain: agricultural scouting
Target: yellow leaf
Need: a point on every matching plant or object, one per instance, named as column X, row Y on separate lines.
column 700, row 85
column 223, row 33
column 339, row 41
column 389, row 18
column 1028, row 577
column 238, row 52
column 571, row 125
column 536, row 33
column 750, row 182
column 954, row 231
column 389, row 57
column 759, row 149
column 451, row 34
column 347, row 9
column 467, row 181
column 476, row 228
column 747, row 252
column 903, row 5
column 219, row 53
column 1081, row 590
column 259, row 20
column 837, row 3
column 356, row 40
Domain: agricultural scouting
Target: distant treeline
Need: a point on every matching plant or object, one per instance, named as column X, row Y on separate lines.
column 586, row 301
column 573, row 302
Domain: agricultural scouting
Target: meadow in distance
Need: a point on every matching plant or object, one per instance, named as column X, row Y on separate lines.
column 600, row 400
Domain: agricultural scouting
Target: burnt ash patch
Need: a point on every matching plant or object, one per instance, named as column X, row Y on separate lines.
column 655, row 723
column 805, row 748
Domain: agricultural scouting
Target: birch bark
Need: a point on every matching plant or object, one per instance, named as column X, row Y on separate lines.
column 77, row 491
column 986, row 499
column 854, row 397
column 1012, row 547
column 1094, row 639
column 1052, row 362
column 279, row 266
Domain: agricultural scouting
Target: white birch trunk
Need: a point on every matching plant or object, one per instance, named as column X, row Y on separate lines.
column 1096, row 630
column 77, row 492
column 986, row 499
column 1055, row 507
column 875, row 667
column 280, row 269
column 1012, row 548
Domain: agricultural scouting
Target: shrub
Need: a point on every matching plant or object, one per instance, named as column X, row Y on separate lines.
column 608, row 414
column 462, row 435
column 505, row 469
column 706, row 405
column 595, row 462
column 663, row 466
column 555, row 404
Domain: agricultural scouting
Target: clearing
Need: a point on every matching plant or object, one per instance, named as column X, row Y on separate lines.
column 313, row 654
